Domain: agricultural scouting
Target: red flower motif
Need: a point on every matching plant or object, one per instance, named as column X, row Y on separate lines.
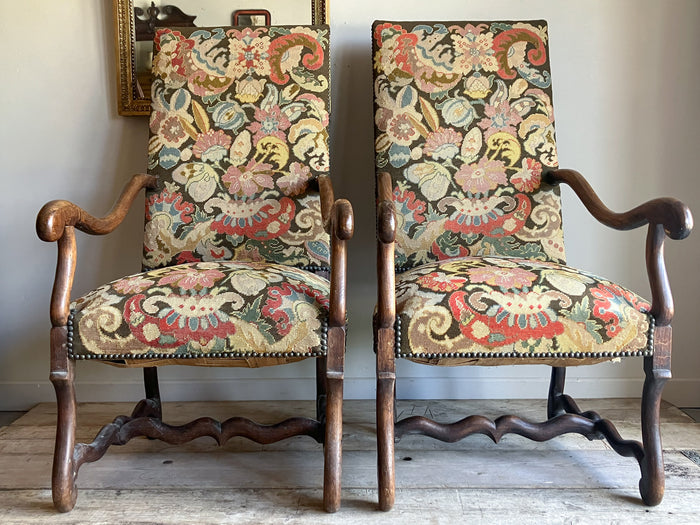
column 492, row 216
column 259, row 219
column 408, row 205
column 293, row 293
column 212, row 146
column 610, row 298
column 440, row 282
column 269, row 123
column 513, row 317
column 171, row 204
column 529, row 177
column 442, row 143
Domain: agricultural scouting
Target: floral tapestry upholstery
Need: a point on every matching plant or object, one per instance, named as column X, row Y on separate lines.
column 464, row 125
column 516, row 308
column 206, row 309
column 238, row 139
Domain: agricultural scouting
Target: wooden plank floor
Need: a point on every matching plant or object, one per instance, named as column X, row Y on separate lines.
column 567, row 480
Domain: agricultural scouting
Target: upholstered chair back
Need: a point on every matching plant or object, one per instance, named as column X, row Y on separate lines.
column 238, row 139
column 464, row 126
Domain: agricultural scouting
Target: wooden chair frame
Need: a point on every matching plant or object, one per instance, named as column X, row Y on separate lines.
column 664, row 216
column 57, row 222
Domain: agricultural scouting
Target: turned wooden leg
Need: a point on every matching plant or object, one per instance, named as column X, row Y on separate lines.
column 556, row 389
column 657, row 370
column 62, row 376
column 321, row 390
column 150, row 382
column 386, row 389
column 333, row 445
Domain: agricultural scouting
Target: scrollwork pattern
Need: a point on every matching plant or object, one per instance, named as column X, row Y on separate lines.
column 464, row 124
column 238, row 136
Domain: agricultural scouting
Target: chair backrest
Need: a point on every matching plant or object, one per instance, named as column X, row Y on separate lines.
column 464, row 126
column 238, row 138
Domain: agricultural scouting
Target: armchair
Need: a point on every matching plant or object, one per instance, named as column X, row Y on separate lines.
column 244, row 260
column 470, row 258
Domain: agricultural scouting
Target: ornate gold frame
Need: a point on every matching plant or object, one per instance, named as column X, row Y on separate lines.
column 129, row 102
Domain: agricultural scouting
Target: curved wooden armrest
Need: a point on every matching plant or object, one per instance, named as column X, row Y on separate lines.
column 339, row 223
column 57, row 221
column 54, row 216
column 386, row 211
column 337, row 215
column 343, row 222
column 665, row 216
column 386, row 236
column 672, row 214
column 386, row 222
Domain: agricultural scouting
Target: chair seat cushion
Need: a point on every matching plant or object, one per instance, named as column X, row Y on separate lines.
column 485, row 308
column 212, row 310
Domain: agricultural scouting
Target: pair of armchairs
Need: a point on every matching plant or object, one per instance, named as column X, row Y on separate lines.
column 244, row 260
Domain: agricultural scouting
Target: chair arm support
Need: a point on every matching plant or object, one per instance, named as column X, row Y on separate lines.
column 57, row 221
column 55, row 216
column 665, row 216
column 386, row 236
column 339, row 223
column 672, row 214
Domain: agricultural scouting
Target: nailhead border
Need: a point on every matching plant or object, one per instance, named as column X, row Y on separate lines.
column 214, row 355
column 648, row 352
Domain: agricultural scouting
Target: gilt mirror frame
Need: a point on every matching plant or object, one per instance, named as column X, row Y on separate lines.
column 129, row 100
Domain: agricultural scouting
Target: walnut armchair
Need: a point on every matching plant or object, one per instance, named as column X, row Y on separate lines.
column 471, row 267
column 244, row 260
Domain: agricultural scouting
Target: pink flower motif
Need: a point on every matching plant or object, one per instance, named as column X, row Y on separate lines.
column 503, row 277
column 442, row 144
column 500, row 118
column 172, row 131
column 269, row 123
column 250, row 180
column 132, row 285
column 211, row 146
column 482, row 177
column 440, row 282
column 192, row 278
column 529, row 177
column 296, row 181
column 402, row 130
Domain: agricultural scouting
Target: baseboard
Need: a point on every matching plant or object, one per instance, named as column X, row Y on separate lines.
column 683, row 392
column 22, row 396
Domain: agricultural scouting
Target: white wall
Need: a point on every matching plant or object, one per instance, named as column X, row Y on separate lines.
column 626, row 76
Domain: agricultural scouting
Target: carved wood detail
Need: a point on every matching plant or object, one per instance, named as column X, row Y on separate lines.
column 145, row 422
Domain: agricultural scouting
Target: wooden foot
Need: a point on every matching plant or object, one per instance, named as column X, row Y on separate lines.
column 333, row 444
column 62, row 376
column 386, row 397
column 657, row 370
